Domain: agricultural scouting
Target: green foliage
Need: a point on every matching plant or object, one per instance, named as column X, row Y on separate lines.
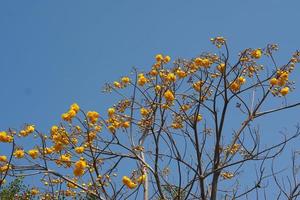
column 15, row 187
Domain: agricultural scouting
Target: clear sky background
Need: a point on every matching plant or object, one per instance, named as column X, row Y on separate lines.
column 54, row 53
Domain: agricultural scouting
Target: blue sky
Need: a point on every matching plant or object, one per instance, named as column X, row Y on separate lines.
column 54, row 53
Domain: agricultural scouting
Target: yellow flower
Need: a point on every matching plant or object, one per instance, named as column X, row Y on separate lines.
column 180, row 73
column 23, row 133
column 283, row 77
column 29, row 129
column 75, row 107
column 54, row 130
column 167, row 59
column 153, row 72
column 78, row 172
column 58, row 147
column 4, row 168
column 125, row 80
column 132, row 185
column 241, row 80
column 169, row 96
column 72, row 113
column 176, row 125
column 117, row 84
column 157, row 88
column 273, row 81
column 72, row 185
column 234, row 86
column 93, row 116
column 197, row 86
column 34, row 191
column 79, row 168
column 3, row 158
column 126, row 124
column 256, row 53
column 111, row 112
column 126, row 180
column 142, row 80
column 171, row 77
column 204, row 62
column 66, row 117
column 142, row 178
column 79, row 150
column 4, row 137
column 199, row 117
column 185, row 107
column 284, row 91
column 233, row 149
column 70, row 193
column 66, row 159
column 159, row 57
column 34, row 153
column 19, row 153
column 221, row 67
column 81, row 164
column 48, row 150
column 198, row 61
column 144, row 111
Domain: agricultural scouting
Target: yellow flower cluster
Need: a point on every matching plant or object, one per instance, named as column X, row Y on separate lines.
column 160, row 58
column 142, row 80
column 59, row 137
column 131, row 184
column 281, row 80
column 144, row 111
column 221, row 67
column 181, row 73
column 256, row 53
column 65, row 159
column 80, row 166
column 19, row 153
column 171, row 77
column 128, row 182
column 284, row 91
column 4, row 168
column 79, row 150
column 71, row 184
column 68, row 116
column 169, row 96
column 34, row 191
column 70, row 193
column 116, row 121
column 218, row 41
column 3, row 158
column 48, row 150
column 233, row 149
column 92, row 116
column 177, row 122
column 123, row 83
column 4, row 137
column 197, row 86
column 202, row 62
column 236, row 85
column 33, row 153
column 29, row 129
